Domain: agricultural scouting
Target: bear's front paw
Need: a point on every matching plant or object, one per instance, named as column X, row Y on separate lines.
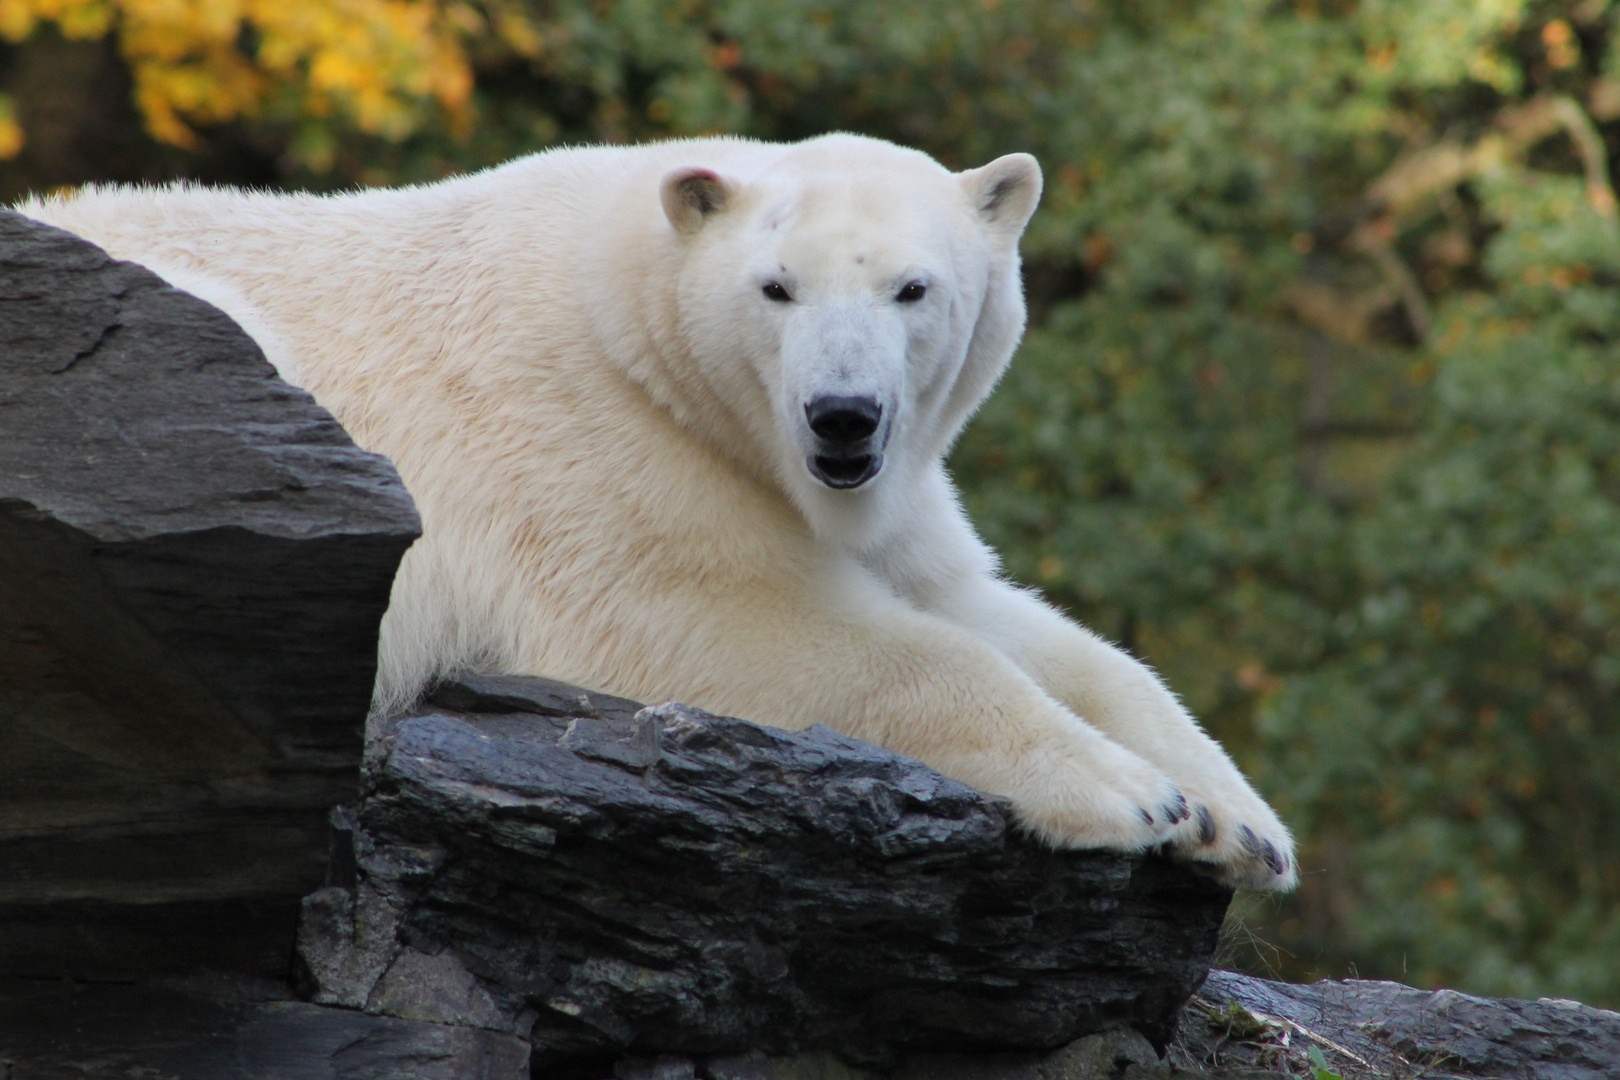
column 1091, row 799
column 1239, row 837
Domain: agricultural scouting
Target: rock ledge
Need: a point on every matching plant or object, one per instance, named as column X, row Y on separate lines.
column 604, row 879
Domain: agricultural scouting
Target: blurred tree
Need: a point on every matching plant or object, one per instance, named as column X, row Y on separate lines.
column 308, row 71
column 1320, row 407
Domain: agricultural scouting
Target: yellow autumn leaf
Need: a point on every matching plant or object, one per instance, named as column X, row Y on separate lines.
column 11, row 132
column 387, row 66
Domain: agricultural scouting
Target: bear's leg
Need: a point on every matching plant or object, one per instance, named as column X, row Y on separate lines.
column 838, row 651
column 1231, row 827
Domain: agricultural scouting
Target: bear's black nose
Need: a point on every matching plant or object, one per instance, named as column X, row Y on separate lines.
column 843, row 420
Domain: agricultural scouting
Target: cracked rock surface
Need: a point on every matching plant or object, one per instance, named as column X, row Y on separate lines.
column 604, row 881
column 1385, row 1029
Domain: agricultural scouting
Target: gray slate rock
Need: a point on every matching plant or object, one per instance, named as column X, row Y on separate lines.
column 1396, row 1030
column 194, row 559
column 666, row 881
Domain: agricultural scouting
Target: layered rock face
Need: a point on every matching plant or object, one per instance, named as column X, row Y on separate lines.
column 606, row 881
column 194, row 559
column 1242, row 1026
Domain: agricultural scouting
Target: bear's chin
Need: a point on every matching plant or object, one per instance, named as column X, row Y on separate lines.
column 844, row 473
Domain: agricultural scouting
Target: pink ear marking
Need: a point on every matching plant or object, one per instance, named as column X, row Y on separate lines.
column 703, row 190
column 692, row 195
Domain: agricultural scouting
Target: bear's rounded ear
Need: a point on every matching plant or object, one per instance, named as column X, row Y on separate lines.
column 692, row 195
column 1004, row 192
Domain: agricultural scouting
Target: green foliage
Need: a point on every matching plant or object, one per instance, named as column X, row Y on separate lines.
column 1480, row 665
column 1320, row 407
column 1319, row 1066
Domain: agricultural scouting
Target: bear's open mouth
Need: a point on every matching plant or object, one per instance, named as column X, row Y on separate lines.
column 845, row 472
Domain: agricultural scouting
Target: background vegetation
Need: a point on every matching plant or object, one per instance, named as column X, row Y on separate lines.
column 1320, row 407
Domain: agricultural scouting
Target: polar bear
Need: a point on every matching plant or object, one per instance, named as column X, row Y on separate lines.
column 675, row 416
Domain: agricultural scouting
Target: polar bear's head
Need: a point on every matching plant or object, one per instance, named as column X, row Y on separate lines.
column 852, row 302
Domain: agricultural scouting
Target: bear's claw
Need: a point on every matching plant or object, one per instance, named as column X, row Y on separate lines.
column 1263, row 850
column 1206, row 825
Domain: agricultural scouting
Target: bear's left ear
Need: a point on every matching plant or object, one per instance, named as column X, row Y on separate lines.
column 1004, row 192
column 692, row 195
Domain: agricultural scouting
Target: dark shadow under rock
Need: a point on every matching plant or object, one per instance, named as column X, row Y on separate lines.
column 229, row 1028
column 668, row 881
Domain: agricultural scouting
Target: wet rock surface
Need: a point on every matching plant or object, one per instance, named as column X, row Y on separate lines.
column 665, row 880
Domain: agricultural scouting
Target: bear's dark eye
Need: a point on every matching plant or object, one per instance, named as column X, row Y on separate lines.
column 911, row 293
column 774, row 291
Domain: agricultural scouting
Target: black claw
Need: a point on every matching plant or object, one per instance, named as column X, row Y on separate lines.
column 1206, row 826
column 1274, row 859
column 1176, row 811
column 1147, row 817
column 1264, row 850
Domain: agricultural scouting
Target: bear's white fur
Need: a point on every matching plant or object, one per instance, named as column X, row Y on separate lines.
column 595, row 370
